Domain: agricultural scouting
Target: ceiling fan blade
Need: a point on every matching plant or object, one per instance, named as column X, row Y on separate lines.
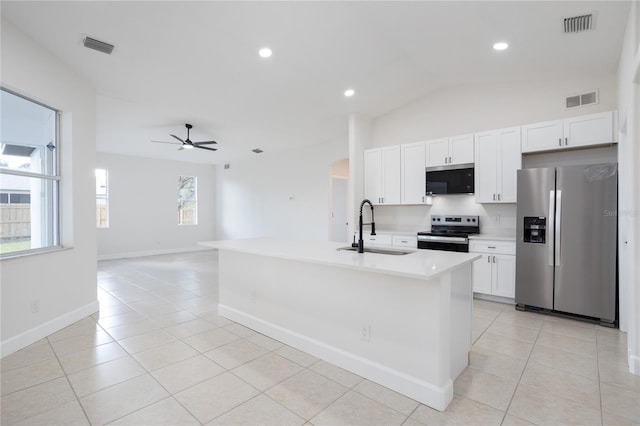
column 177, row 138
column 204, row 143
column 204, row 147
column 171, row 143
column 181, row 148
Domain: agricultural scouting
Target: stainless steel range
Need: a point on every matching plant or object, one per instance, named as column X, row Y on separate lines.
column 450, row 233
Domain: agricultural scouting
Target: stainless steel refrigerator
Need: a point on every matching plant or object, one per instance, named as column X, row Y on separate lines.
column 567, row 240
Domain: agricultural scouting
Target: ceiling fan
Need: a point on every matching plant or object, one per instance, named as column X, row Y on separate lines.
column 187, row 143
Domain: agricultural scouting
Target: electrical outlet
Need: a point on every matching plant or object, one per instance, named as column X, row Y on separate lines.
column 35, row 307
column 365, row 332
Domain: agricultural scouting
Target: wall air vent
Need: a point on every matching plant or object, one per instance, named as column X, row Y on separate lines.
column 582, row 99
column 98, row 45
column 576, row 24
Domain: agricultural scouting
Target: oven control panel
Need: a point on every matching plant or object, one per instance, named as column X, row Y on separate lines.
column 455, row 220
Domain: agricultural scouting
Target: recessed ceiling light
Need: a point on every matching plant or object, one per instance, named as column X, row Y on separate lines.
column 501, row 46
column 349, row 93
column 265, row 52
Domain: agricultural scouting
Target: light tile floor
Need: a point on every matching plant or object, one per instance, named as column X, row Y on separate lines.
column 158, row 353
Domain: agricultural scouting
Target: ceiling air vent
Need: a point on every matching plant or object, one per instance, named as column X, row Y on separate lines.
column 98, row 45
column 576, row 24
column 582, row 99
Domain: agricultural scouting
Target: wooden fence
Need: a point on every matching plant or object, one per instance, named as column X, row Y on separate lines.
column 15, row 221
column 101, row 215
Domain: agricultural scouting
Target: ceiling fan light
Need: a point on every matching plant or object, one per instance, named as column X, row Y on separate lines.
column 187, row 146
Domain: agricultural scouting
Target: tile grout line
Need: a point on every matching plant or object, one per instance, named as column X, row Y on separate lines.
column 526, row 364
column 69, row 383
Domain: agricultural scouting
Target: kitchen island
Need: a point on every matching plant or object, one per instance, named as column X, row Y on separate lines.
column 403, row 321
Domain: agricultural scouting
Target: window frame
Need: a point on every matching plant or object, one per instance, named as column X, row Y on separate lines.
column 105, row 198
column 55, row 222
column 195, row 200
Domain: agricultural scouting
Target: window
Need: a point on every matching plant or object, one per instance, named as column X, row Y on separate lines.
column 187, row 201
column 102, row 199
column 29, row 180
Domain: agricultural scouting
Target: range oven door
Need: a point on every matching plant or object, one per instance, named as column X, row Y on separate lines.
column 433, row 242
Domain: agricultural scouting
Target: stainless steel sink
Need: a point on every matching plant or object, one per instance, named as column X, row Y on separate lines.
column 377, row 250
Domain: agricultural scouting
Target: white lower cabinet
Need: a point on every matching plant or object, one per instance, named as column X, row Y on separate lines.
column 495, row 272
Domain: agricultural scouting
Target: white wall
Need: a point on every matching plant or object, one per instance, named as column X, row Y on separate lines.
column 470, row 109
column 629, row 185
column 63, row 282
column 143, row 209
column 281, row 194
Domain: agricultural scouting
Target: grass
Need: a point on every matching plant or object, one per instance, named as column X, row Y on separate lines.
column 16, row 245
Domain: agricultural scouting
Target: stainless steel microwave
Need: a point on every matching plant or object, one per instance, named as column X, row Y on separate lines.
column 450, row 180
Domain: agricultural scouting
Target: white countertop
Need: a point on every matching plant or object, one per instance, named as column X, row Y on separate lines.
column 422, row 264
column 493, row 237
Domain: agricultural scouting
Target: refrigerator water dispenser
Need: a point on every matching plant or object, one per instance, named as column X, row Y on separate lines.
column 535, row 229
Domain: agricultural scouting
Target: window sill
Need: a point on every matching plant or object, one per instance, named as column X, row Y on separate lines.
column 34, row 252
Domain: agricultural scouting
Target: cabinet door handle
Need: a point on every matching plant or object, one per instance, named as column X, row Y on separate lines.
column 494, row 197
column 404, row 241
column 423, row 199
column 498, row 197
column 449, row 160
column 559, row 141
column 488, row 259
column 494, row 259
column 566, row 141
column 445, row 160
column 491, row 247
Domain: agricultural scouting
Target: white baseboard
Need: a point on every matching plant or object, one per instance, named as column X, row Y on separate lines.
column 149, row 253
column 424, row 392
column 22, row 340
column 492, row 298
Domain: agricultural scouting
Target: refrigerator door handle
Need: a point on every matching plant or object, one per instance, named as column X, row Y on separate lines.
column 558, row 227
column 552, row 201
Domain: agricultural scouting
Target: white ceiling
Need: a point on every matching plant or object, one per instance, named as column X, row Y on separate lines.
column 197, row 62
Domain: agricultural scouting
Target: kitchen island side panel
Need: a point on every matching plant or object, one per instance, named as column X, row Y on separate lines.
column 321, row 309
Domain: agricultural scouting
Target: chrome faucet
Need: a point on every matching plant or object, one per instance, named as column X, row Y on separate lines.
column 360, row 244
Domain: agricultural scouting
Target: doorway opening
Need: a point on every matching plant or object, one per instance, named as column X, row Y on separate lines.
column 338, row 201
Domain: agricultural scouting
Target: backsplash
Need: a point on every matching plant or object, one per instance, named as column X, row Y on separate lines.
column 494, row 218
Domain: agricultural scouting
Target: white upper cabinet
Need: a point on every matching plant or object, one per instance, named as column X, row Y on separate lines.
column 437, row 152
column 542, row 136
column 497, row 160
column 575, row 132
column 382, row 175
column 461, row 149
column 594, row 129
column 446, row 151
column 391, row 175
column 373, row 175
column 413, row 179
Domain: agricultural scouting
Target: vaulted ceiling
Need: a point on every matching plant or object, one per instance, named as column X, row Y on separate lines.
column 197, row 62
